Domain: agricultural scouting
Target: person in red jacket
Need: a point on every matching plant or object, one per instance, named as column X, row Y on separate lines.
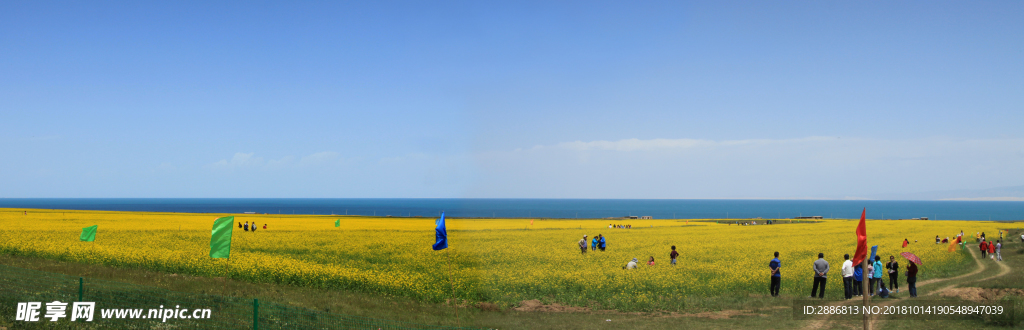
column 991, row 249
column 984, row 248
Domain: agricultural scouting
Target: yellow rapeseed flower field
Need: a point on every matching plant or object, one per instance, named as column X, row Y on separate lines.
column 498, row 260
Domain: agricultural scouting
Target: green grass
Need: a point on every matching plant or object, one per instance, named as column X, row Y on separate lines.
column 408, row 310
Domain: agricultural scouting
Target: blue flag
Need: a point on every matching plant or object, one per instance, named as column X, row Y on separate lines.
column 874, row 249
column 442, row 234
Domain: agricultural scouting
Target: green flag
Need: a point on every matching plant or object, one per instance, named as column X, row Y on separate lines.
column 89, row 233
column 220, row 238
column 337, row 223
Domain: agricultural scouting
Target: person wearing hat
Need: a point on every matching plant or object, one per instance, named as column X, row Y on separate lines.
column 583, row 245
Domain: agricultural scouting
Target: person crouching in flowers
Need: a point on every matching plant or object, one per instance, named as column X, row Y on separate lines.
column 630, row 265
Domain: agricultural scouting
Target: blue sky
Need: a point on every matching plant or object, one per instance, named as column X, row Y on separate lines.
column 510, row 99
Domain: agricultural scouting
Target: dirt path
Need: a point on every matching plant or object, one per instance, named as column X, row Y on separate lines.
column 824, row 323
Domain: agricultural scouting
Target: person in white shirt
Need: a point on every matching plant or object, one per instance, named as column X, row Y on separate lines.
column 847, row 271
column 631, row 264
column 999, row 248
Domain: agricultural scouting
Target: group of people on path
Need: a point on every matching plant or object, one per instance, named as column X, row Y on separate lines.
column 989, row 249
column 993, row 250
column 853, row 277
column 247, row 227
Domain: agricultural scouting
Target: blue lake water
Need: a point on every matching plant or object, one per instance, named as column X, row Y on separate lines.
column 545, row 208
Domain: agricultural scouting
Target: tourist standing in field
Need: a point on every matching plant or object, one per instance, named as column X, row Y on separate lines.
column 776, row 281
column 936, row 239
column 601, row 243
column 583, row 245
column 847, row 272
column 246, row 226
column 912, row 278
column 264, row 226
column 877, row 274
column 870, row 275
column 858, row 279
column 593, row 244
column 239, row 225
column 984, row 249
column 999, row 249
column 820, row 275
column 673, row 255
column 894, row 273
column 992, row 250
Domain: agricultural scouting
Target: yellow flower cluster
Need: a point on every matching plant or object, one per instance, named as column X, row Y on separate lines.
column 498, row 260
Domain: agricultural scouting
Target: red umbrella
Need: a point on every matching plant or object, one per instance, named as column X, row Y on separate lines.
column 910, row 256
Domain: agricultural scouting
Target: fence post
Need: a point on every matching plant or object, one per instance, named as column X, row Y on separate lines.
column 255, row 314
column 79, row 289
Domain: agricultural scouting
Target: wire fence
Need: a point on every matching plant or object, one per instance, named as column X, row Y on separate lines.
column 130, row 306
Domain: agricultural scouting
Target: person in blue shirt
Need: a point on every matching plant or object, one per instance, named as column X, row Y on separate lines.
column 593, row 244
column 858, row 278
column 776, row 278
column 600, row 243
column 877, row 267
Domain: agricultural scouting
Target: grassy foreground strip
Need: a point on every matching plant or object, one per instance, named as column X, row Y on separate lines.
column 754, row 310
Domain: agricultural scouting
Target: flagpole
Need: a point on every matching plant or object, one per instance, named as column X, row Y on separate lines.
column 864, row 290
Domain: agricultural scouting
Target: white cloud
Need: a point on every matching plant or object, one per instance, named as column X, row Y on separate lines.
column 249, row 160
column 238, row 160
column 280, row 163
column 811, row 167
column 319, row 158
column 663, row 144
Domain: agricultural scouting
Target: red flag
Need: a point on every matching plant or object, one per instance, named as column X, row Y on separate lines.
column 862, row 240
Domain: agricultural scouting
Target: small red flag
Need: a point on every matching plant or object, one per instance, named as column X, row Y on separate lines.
column 862, row 240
